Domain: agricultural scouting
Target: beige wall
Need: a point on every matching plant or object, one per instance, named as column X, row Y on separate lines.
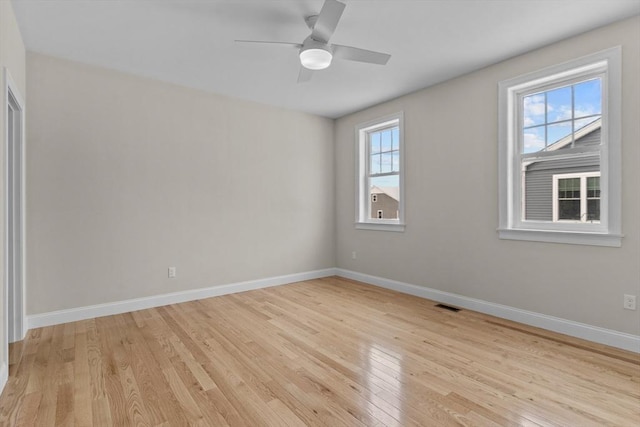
column 12, row 56
column 450, row 242
column 128, row 176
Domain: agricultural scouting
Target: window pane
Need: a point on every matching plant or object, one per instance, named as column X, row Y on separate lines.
column 387, row 189
column 374, row 165
column 385, row 161
column 538, row 197
column 386, row 140
column 580, row 123
column 558, row 109
column 588, row 98
column 569, row 209
column 559, row 104
column 385, row 181
column 533, row 139
column 592, row 137
column 569, row 188
column 593, row 186
column 396, row 161
column 395, row 134
column 533, row 109
column 375, row 142
column 593, row 210
column 557, row 132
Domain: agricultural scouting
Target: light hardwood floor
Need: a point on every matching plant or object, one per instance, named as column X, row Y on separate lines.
column 327, row 352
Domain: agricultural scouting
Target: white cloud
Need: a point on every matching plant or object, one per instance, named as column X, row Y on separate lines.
column 585, row 110
column 564, row 112
column 534, row 106
column 533, row 142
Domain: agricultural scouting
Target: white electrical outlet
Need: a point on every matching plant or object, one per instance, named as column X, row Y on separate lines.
column 630, row 302
column 172, row 272
column 353, row 255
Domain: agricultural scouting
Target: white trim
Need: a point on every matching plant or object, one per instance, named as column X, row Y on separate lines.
column 18, row 331
column 568, row 327
column 107, row 309
column 380, row 226
column 607, row 65
column 568, row 237
column 4, row 375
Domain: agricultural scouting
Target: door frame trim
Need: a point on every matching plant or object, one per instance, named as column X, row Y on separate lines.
column 17, row 330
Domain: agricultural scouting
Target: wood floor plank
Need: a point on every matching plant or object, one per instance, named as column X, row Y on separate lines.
column 325, row 352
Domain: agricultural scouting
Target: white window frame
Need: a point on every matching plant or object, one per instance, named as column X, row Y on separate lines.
column 606, row 65
column 363, row 196
column 583, row 195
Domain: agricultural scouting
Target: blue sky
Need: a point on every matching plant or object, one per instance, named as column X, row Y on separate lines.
column 547, row 115
column 385, row 142
column 386, row 181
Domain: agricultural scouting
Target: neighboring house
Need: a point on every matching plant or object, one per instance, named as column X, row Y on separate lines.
column 384, row 202
column 565, row 189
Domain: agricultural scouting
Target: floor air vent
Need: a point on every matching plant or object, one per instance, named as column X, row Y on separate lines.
column 448, row 307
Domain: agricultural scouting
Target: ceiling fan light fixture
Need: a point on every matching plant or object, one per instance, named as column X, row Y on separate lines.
column 315, row 58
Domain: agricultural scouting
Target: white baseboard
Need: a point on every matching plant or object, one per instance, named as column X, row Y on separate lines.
column 568, row 327
column 108, row 309
column 563, row 326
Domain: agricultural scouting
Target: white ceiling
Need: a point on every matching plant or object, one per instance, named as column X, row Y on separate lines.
column 191, row 43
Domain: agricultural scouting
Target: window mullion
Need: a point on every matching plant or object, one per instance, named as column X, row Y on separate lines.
column 573, row 116
column 546, row 121
column 583, row 199
column 367, row 176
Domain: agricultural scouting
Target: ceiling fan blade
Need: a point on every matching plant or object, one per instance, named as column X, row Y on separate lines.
column 297, row 45
column 327, row 20
column 304, row 75
column 360, row 55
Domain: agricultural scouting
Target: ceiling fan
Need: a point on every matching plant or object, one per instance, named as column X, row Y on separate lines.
column 315, row 51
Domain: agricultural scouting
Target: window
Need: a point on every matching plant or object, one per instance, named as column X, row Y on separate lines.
column 559, row 153
column 576, row 197
column 379, row 149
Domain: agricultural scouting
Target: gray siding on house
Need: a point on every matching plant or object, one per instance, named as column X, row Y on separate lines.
column 539, row 184
column 590, row 139
column 560, row 165
column 538, row 179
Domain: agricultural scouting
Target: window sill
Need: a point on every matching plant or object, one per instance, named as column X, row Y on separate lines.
column 568, row 237
column 397, row 227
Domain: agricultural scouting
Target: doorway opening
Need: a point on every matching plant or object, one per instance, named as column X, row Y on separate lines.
column 14, row 213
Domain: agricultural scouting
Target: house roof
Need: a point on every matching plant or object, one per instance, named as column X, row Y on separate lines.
column 580, row 134
column 582, row 137
column 393, row 192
